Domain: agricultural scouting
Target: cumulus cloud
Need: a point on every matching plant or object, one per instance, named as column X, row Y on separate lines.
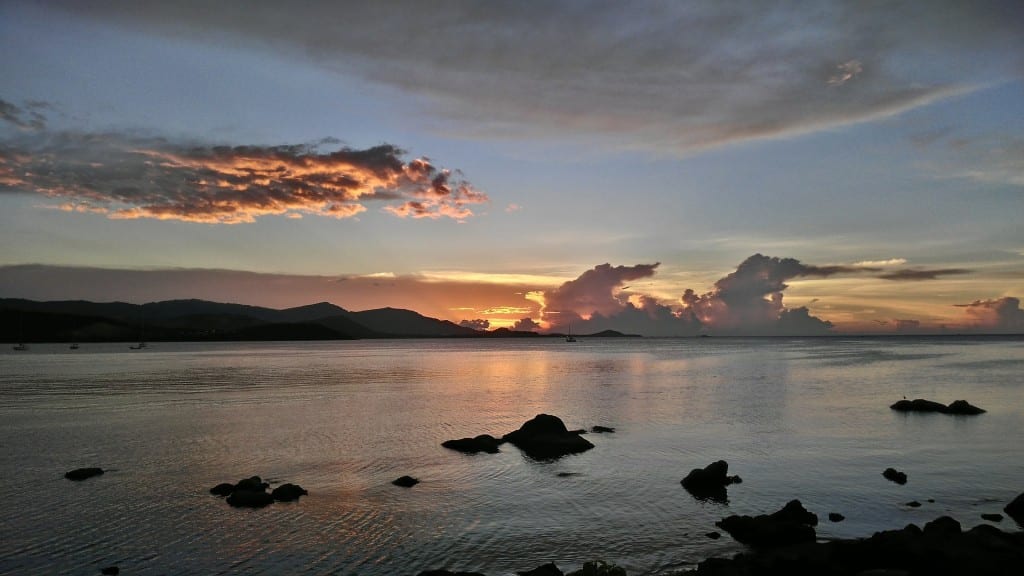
column 526, row 325
column 914, row 274
column 999, row 315
column 476, row 324
column 749, row 300
column 666, row 75
column 127, row 177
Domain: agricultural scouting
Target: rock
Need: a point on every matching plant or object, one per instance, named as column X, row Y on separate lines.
column 79, row 474
column 288, row 492
column 598, row 568
column 913, row 504
column 252, row 483
column 548, row 569
column 713, row 535
column 835, row 517
column 992, row 517
column 942, row 548
column 962, row 407
column 602, row 430
column 895, row 476
column 405, row 481
column 110, row 571
column 250, row 499
column 482, row 443
column 790, row 525
column 1015, row 509
column 710, row 482
column 567, row 474
column 958, row 407
column 546, row 437
column 222, row 489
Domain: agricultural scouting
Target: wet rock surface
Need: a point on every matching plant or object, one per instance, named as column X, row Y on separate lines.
column 894, row 475
column 958, row 407
column 710, row 482
column 482, row 443
column 252, row 492
column 79, row 474
column 546, row 437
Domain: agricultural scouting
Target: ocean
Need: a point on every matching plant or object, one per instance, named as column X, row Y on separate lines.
column 804, row 418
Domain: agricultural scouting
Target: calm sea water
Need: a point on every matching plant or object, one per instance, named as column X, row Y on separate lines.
column 796, row 418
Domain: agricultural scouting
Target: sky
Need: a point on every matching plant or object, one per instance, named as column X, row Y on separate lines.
column 663, row 168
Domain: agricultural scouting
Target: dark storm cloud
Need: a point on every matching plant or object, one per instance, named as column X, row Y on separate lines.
column 27, row 117
column 914, row 274
column 673, row 75
column 127, row 177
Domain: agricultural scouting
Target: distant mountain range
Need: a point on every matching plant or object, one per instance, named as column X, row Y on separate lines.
column 187, row 320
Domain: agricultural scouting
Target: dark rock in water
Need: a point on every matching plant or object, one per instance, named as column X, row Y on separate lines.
column 447, row 573
column 1015, row 509
column 405, row 481
column 598, row 568
column 567, row 474
column 110, row 571
column 548, row 569
column 250, row 499
column 964, row 408
column 482, row 443
column 602, row 430
column 252, row 483
column 790, row 525
column 913, row 504
column 288, row 492
column 835, row 517
column 222, row 489
column 958, row 407
column 713, row 535
column 992, row 517
column 942, row 548
column 79, row 474
column 895, row 476
column 578, row 431
column 710, row 482
column 546, row 437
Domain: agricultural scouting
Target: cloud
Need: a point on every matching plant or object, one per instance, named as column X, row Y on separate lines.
column 749, row 300
column 477, row 324
column 907, row 325
column 845, row 72
column 675, row 76
column 914, row 274
column 128, row 177
column 881, row 263
column 999, row 315
column 592, row 292
column 27, row 118
column 526, row 325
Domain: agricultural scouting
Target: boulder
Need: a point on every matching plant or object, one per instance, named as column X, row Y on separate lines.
column 250, row 499
column 288, row 492
column 713, row 535
column 602, row 430
column 913, row 504
column 710, row 482
column 992, row 517
column 1015, row 509
column 958, row 407
column 546, row 437
column 252, row 483
column 482, row 443
column 598, row 568
column 548, row 569
column 894, row 475
column 79, row 474
column 962, row 407
column 792, row 524
column 405, row 481
column 835, row 517
column 223, row 489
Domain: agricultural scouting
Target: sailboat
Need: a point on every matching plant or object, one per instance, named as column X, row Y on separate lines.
column 142, row 338
column 569, row 337
column 20, row 346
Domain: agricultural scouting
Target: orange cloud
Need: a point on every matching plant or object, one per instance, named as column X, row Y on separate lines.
column 129, row 178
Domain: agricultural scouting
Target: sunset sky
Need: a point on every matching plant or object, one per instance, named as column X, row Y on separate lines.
column 666, row 168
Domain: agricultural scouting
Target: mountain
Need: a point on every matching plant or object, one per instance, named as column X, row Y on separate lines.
column 406, row 323
column 184, row 320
